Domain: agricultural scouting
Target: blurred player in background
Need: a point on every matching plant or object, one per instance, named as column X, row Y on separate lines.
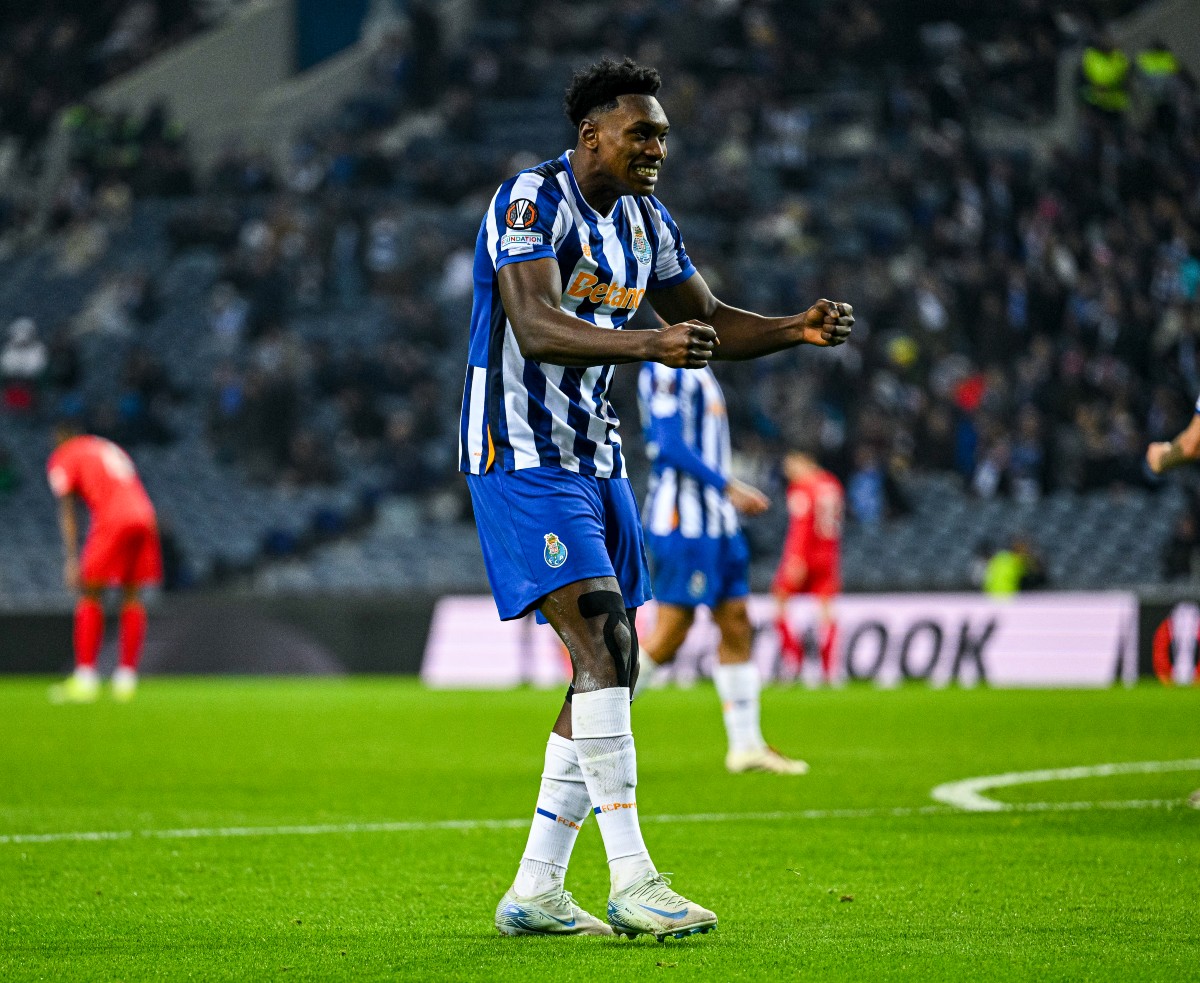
column 1164, row 455
column 566, row 252
column 697, row 551
column 811, row 560
column 121, row 549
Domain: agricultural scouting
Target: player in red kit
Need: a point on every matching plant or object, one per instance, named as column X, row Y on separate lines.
column 811, row 561
column 121, row 549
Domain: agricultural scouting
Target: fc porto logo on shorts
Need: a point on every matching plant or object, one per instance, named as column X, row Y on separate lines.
column 697, row 584
column 556, row 551
column 641, row 248
column 521, row 214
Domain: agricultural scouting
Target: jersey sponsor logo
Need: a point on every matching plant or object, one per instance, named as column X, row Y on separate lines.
column 585, row 286
column 521, row 214
column 641, row 248
column 555, row 552
column 522, row 239
column 586, row 250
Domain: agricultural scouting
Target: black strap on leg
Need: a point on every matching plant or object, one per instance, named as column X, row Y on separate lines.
column 612, row 605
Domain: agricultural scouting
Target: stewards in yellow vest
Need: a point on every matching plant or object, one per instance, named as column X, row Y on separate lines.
column 1106, row 75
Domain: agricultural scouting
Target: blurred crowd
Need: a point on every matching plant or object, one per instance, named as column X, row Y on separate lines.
column 1027, row 312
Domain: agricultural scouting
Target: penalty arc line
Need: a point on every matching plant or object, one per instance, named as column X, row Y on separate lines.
column 469, row 825
column 966, row 794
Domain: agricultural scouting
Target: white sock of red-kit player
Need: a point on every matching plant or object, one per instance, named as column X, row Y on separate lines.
column 562, row 806
column 738, row 686
column 603, row 737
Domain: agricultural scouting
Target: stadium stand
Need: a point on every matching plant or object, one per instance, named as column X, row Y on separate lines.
column 279, row 336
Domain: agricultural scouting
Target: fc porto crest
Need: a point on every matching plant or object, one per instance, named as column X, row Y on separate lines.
column 556, row 551
column 641, row 247
column 697, row 584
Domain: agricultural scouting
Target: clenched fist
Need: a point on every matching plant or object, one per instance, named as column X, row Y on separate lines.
column 827, row 323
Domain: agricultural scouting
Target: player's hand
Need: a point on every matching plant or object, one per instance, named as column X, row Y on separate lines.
column 1155, row 454
column 747, row 499
column 71, row 573
column 827, row 323
column 686, row 345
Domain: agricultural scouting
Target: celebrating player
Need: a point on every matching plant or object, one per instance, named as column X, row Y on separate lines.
column 121, row 549
column 698, row 553
column 811, row 554
column 565, row 254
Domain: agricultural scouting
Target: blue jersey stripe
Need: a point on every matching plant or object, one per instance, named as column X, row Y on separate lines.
column 584, row 447
column 540, row 420
column 496, row 419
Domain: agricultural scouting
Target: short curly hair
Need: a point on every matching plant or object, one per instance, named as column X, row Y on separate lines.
column 598, row 86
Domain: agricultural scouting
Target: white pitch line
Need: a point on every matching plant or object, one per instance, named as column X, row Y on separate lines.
column 966, row 795
column 323, row 829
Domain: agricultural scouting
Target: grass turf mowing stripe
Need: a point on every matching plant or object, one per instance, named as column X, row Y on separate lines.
column 476, row 824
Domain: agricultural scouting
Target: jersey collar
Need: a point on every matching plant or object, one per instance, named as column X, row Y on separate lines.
column 583, row 202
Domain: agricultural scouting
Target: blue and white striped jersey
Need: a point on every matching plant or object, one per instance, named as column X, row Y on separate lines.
column 519, row 413
column 687, row 440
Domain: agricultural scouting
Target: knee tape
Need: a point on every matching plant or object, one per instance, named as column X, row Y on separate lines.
column 612, row 605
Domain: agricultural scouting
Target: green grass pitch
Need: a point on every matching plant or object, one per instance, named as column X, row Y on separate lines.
column 1082, row 894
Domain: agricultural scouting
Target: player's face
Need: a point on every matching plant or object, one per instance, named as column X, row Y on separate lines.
column 632, row 143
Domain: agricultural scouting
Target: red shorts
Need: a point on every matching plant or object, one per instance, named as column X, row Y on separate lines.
column 127, row 554
column 822, row 578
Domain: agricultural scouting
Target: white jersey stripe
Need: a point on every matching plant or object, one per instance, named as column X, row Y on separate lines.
column 516, row 405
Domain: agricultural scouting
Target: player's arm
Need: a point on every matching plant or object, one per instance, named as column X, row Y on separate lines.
column 666, row 445
column 743, row 334
column 1164, row 455
column 531, row 292
column 68, row 524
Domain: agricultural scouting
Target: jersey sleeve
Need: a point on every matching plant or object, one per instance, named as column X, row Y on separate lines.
column 1198, row 405
column 664, row 431
column 671, row 262
column 524, row 219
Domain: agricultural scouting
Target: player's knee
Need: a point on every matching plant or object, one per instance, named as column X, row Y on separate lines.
column 615, row 634
column 735, row 626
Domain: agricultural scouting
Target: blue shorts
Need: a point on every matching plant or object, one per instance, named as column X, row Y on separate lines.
column 691, row 572
column 544, row 528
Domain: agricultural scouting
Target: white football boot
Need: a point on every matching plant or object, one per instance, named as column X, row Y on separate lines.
column 124, row 685
column 765, row 759
column 80, row 687
column 649, row 907
column 552, row 913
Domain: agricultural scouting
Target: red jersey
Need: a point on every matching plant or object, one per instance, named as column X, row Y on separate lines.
column 103, row 475
column 816, row 506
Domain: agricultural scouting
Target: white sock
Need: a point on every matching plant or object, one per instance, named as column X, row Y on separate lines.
column 562, row 806
column 123, row 674
column 87, row 675
column 604, row 743
column 738, row 687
